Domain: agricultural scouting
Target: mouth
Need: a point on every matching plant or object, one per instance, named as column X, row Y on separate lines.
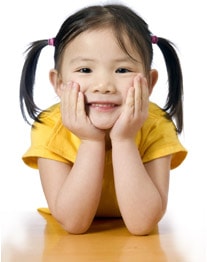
column 102, row 106
column 106, row 105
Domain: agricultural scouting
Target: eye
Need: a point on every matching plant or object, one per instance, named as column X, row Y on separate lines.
column 85, row 70
column 122, row 70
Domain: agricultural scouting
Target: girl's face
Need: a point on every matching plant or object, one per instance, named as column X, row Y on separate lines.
column 104, row 72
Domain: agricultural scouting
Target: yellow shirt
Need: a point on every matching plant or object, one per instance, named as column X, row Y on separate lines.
column 157, row 138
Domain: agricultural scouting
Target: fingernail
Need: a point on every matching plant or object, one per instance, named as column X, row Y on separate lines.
column 62, row 86
column 74, row 85
column 140, row 75
column 69, row 83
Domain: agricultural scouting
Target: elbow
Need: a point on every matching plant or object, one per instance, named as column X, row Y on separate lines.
column 145, row 224
column 71, row 224
column 75, row 228
column 143, row 227
column 141, row 230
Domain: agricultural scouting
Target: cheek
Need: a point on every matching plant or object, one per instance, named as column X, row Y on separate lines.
column 86, row 84
column 124, row 94
column 124, row 87
column 83, row 86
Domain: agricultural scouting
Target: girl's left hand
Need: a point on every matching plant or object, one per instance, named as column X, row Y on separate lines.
column 135, row 111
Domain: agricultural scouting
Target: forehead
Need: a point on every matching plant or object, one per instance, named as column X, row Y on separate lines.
column 99, row 41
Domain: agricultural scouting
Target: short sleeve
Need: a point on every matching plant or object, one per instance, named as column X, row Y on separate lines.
column 159, row 138
column 50, row 139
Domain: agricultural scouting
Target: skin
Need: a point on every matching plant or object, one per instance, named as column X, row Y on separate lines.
column 104, row 101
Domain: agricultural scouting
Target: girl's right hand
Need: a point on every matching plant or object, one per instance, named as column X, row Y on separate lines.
column 74, row 116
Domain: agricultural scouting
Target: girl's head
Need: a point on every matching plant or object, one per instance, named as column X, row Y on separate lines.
column 130, row 32
column 123, row 22
column 103, row 71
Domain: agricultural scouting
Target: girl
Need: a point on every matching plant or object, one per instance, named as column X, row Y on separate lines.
column 105, row 150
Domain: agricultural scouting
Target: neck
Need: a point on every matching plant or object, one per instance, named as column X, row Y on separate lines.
column 107, row 142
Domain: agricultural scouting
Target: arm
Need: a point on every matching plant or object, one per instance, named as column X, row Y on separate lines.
column 73, row 191
column 141, row 189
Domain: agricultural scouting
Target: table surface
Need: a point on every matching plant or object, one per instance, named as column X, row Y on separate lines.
column 33, row 236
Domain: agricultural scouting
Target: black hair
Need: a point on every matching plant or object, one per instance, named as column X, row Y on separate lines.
column 124, row 22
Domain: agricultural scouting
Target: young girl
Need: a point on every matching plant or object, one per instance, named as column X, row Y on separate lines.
column 105, row 150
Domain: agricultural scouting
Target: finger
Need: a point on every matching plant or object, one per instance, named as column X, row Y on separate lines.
column 73, row 98
column 141, row 94
column 81, row 105
column 145, row 94
column 65, row 99
column 137, row 94
column 129, row 105
column 69, row 101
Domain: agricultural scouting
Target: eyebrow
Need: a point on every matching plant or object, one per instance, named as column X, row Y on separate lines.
column 80, row 59
column 118, row 60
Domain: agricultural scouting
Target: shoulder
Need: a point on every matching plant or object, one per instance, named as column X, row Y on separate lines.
column 158, row 137
column 50, row 139
column 42, row 129
column 156, row 113
column 49, row 117
column 41, row 134
column 158, row 121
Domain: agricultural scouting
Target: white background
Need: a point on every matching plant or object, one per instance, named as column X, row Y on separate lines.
column 23, row 21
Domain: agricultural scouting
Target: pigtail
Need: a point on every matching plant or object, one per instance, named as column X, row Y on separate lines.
column 27, row 81
column 174, row 105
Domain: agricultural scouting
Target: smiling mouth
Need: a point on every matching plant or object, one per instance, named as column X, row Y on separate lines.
column 102, row 106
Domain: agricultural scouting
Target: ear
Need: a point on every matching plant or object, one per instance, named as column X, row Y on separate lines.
column 56, row 81
column 152, row 79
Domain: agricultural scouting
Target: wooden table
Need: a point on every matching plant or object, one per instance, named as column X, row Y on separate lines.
column 33, row 236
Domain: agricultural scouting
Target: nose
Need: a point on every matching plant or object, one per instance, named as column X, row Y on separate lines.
column 104, row 87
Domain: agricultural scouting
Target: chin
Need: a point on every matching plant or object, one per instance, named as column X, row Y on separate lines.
column 103, row 121
column 103, row 125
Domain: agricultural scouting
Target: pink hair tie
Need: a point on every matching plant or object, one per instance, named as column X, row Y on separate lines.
column 51, row 41
column 154, row 39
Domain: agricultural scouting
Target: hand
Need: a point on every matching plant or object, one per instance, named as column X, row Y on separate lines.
column 135, row 111
column 74, row 116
